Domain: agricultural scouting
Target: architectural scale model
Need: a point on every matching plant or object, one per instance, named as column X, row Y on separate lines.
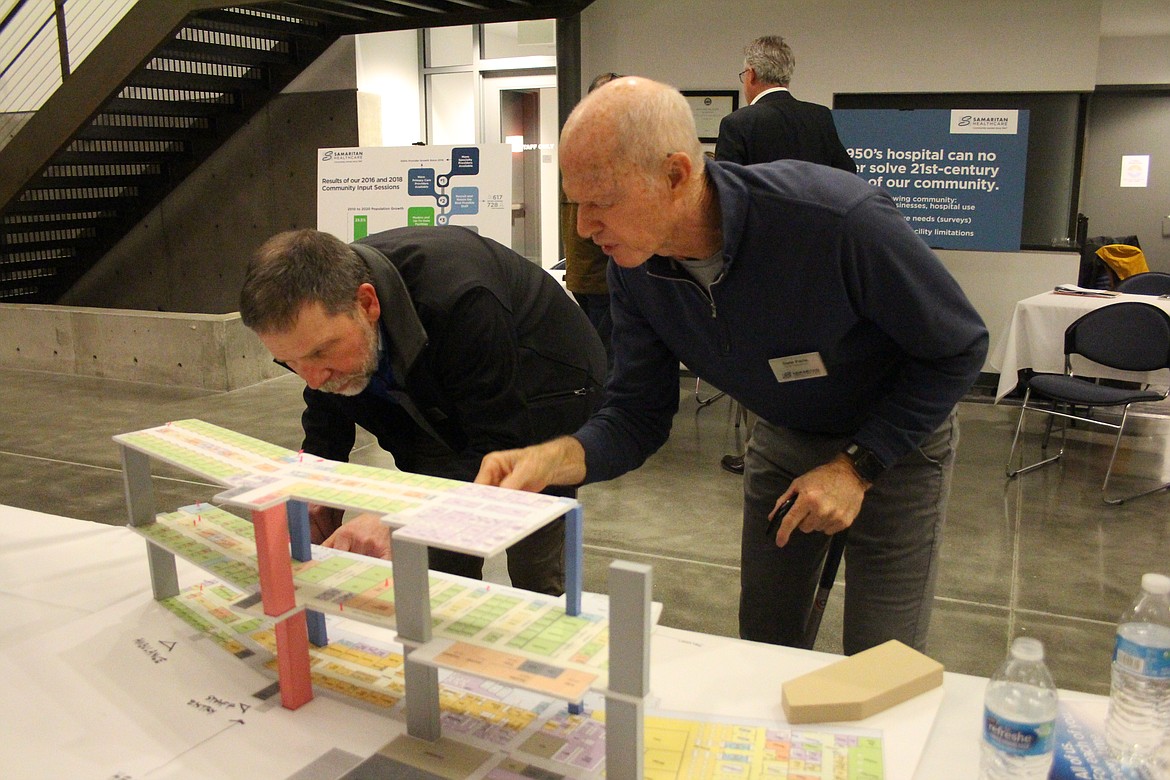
column 550, row 650
column 533, row 733
column 507, row 655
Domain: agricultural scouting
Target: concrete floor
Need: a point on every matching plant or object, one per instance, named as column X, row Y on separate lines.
column 1039, row 555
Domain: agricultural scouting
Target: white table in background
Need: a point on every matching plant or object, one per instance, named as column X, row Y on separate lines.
column 1035, row 336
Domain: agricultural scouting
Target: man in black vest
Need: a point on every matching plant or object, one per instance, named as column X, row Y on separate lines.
column 443, row 344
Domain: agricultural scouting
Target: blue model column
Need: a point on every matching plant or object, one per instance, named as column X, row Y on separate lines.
column 302, row 550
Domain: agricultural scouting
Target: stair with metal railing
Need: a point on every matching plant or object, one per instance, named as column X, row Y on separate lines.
column 85, row 169
column 195, row 90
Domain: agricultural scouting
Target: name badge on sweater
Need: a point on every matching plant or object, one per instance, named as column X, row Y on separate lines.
column 793, row 368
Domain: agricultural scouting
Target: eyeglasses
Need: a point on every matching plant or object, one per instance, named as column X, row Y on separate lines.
column 745, row 70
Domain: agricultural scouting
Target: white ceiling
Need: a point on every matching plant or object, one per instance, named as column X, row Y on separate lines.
column 1135, row 17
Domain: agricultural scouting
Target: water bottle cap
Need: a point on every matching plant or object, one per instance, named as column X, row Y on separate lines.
column 1156, row 583
column 1027, row 648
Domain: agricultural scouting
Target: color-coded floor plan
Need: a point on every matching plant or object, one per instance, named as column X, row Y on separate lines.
column 505, row 634
column 538, row 736
column 440, row 512
column 682, row 746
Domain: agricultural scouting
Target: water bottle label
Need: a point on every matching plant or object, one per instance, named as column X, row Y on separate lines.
column 1153, row 662
column 1018, row 739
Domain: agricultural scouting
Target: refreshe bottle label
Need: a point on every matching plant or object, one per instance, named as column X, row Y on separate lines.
column 1017, row 739
column 1142, row 660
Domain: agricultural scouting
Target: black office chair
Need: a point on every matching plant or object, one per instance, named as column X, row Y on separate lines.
column 1149, row 283
column 1127, row 336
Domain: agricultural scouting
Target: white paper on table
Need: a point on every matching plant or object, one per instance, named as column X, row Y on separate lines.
column 132, row 691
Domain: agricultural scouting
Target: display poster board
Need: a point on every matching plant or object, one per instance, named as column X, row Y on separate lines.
column 957, row 175
column 365, row 190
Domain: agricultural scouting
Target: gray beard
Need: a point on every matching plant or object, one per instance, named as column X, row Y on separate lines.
column 355, row 383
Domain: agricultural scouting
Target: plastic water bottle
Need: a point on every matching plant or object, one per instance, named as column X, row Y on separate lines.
column 1139, row 698
column 1019, row 716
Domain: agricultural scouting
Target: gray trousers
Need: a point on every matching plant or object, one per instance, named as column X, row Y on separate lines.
column 891, row 559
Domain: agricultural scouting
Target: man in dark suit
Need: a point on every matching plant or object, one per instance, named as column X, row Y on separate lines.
column 775, row 125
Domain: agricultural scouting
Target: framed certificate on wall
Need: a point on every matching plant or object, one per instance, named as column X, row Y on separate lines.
column 709, row 106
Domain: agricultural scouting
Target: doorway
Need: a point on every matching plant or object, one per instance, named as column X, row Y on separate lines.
column 522, row 111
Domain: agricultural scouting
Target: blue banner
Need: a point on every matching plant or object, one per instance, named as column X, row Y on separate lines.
column 957, row 175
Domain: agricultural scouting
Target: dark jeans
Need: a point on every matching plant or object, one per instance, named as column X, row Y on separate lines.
column 891, row 559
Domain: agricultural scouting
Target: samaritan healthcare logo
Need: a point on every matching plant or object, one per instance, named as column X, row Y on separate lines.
column 985, row 121
column 342, row 155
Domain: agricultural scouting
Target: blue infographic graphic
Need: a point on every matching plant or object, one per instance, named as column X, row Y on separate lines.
column 423, row 182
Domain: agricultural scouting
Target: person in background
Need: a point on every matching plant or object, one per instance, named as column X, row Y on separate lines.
column 802, row 291
column 776, row 126
column 585, row 263
column 444, row 345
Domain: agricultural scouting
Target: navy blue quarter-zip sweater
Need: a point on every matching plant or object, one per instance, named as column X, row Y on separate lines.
column 817, row 261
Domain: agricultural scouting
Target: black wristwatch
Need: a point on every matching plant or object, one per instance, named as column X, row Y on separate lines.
column 865, row 463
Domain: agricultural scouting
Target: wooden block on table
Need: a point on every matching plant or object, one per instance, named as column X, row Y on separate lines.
column 860, row 685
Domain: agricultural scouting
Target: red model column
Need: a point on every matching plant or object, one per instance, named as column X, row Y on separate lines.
column 278, row 596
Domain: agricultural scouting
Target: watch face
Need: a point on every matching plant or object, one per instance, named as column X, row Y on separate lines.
column 865, row 463
column 868, row 467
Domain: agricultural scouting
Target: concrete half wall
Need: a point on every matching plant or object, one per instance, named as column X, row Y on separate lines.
column 205, row 351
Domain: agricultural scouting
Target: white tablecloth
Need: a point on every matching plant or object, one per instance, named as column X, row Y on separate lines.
column 1035, row 336
column 79, row 619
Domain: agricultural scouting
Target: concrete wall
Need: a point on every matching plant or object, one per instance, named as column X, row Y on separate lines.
column 205, row 351
column 852, row 45
column 1134, row 59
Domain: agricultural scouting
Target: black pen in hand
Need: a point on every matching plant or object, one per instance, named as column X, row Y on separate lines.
column 778, row 518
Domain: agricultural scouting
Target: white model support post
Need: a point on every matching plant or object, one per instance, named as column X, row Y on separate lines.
column 629, row 669
column 164, row 577
column 412, row 609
